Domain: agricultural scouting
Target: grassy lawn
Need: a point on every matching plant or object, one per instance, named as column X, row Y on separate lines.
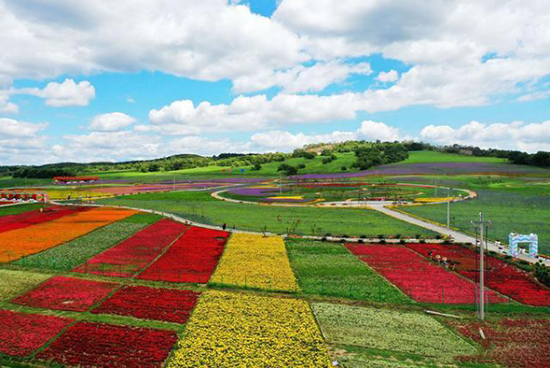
column 417, row 157
column 201, row 207
column 522, row 210
column 389, row 330
column 329, row 269
column 14, row 210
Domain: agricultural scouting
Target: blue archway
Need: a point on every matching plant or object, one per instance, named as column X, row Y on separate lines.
column 515, row 239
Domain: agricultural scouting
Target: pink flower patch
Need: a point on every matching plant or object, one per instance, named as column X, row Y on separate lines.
column 65, row 293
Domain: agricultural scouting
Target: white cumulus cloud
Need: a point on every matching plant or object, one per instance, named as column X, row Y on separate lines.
column 15, row 128
column 373, row 130
column 515, row 135
column 111, row 122
column 208, row 40
column 301, row 78
column 285, row 141
column 249, row 113
column 67, row 93
column 390, row 76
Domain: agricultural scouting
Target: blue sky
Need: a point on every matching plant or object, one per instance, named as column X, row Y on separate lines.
column 146, row 79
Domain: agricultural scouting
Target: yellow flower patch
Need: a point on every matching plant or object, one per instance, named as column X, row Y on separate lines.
column 255, row 261
column 286, row 197
column 237, row 330
column 433, row 200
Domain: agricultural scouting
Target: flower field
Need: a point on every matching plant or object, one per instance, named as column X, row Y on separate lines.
column 21, row 334
column 64, row 293
column 150, row 303
column 329, row 269
column 13, row 283
column 522, row 343
column 23, row 242
column 500, row 276
column 192, row 258
column 433, row 168
column 151, row 188
column 69, row 255
column 255, row 261
column 88, row 344
column 389, row 330
column 420, row 279
column 136, row 252
column 239, row 330
column 25, row 219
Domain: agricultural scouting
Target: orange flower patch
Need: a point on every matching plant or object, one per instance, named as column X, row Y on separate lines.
column 19, row 243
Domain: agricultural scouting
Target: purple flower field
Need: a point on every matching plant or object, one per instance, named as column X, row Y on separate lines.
column 449, row 168
column 286, row 200
column 254, row 192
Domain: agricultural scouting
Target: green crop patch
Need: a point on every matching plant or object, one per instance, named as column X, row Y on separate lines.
column 329, row 269
column 13, row 283
column 389, row 330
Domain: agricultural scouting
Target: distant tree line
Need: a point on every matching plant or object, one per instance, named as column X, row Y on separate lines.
column 368, row 154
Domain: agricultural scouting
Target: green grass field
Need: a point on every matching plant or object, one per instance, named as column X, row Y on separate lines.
column 522, row 210
column 14, row 210
column 390, row 331
column 420, row 157
column 201, row 207
column 329, row 269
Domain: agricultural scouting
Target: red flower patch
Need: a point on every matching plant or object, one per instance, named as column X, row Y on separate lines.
column 500, row 276
column 136, row 252
column 522, row 343
column 420, row 279
column 151, row 303
column 21, row 334
column 193, row 258
column 26, row 219
column 65, row 293
column 102, row 345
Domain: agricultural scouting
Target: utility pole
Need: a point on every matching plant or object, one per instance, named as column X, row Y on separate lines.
column 483, row 225
column 449, row 208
